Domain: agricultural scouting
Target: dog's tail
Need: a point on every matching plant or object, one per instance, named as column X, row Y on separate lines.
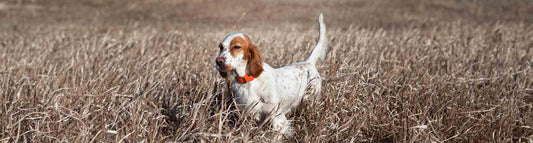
column 321, row 47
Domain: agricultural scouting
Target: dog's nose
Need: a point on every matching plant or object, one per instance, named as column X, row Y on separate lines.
column 220, row 61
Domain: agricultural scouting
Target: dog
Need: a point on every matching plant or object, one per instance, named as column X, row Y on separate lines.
column 266, row 92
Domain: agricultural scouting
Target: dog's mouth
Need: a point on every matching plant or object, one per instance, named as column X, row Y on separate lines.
column 224, row 68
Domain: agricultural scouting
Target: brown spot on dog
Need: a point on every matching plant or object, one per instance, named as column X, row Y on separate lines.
column 255, row 60
column 237, row 45
column 250, row 53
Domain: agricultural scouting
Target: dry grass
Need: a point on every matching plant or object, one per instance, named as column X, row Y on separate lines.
column 458, row 72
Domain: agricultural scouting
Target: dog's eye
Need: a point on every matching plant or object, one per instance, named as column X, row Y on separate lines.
column 236, row 47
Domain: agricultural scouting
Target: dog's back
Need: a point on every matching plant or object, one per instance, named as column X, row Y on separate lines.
column 294, row 79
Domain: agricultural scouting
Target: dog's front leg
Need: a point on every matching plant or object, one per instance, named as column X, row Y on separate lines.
column 281, row 124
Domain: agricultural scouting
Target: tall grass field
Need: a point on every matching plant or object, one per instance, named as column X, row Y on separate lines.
column 144, row 70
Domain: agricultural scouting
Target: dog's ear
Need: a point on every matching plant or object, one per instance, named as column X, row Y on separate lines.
column 223, row 74
column 255, row 60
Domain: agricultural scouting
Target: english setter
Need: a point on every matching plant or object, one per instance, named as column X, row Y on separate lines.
column 263, row 91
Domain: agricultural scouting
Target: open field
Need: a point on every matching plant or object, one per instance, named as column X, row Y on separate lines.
column 143, row 70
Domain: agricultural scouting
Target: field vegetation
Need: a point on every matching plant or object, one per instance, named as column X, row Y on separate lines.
column 144, row 70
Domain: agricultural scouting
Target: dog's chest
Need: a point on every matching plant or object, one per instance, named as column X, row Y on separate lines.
column 246, row 94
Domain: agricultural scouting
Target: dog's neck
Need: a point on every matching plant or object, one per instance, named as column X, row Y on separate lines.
column 241, row 70
column 242, row 74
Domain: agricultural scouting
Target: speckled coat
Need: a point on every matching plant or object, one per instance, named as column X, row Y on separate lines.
column 274, row 92
column 277, row 91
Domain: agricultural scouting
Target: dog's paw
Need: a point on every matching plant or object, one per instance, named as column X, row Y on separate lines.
column 285, row 130
column 283, row 126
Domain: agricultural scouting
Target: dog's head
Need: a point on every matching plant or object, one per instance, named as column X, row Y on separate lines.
column 238, row 55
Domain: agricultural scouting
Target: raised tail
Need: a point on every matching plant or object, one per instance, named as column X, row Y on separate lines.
column 321, row 47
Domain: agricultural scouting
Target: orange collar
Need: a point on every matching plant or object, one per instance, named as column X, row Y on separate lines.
column 245, row 79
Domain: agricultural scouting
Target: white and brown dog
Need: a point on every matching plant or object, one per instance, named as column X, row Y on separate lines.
column 263, row 91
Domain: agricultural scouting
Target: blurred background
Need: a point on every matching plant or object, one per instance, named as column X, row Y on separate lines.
column 241, row 13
